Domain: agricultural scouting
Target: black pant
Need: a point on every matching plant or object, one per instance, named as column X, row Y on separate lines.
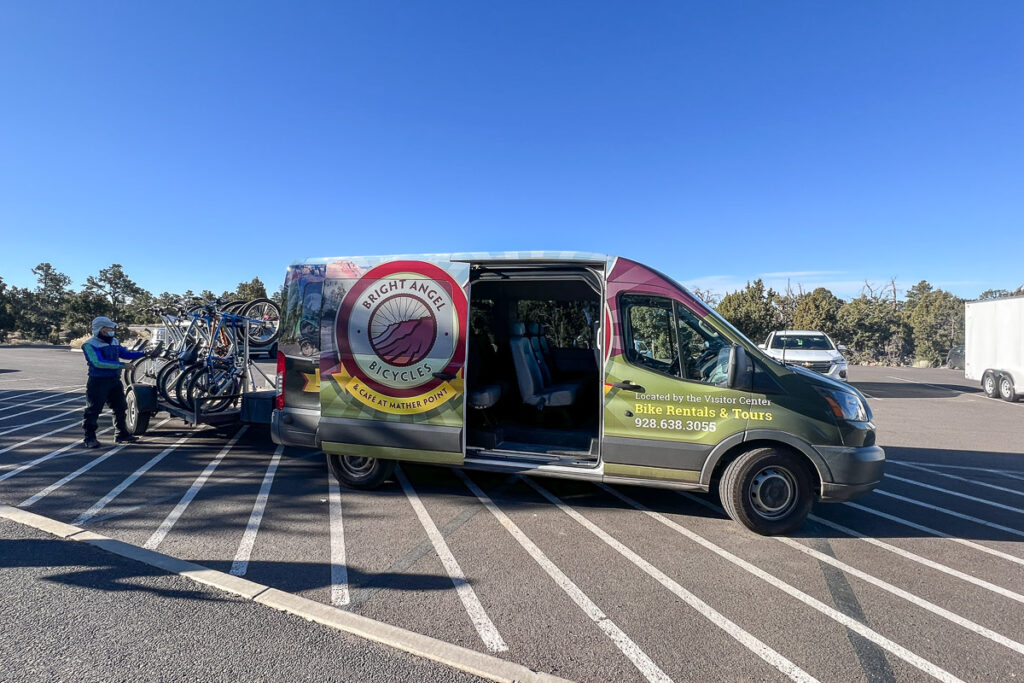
column 100, row 391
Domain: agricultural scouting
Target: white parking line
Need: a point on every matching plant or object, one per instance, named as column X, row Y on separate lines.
column 39, row 391
column 39, row 422
column 95, row 508
column 76, row 397
column 21, row 468
column 179, row 509
column 847, row 621
column 906, row 595
column 745, row 638
column 963, row 479
column 913, row 557
column 483, row 624
column 241, row 562
column 638, row 657
column 41, row 436
column 950, row 492
column 339, row 562
column 952, row 513
column 940, row 534
column 925, row 384
column 960, row 467
column 29, row 502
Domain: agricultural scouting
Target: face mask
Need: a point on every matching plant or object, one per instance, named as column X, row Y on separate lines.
column 105, row 337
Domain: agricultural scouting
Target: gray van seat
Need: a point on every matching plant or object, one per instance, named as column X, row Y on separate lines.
column 484, row 397
column 532, row 333
column 481, row 394
column 534, row 390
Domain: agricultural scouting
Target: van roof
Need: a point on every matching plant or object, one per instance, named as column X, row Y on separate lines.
column 478, row 257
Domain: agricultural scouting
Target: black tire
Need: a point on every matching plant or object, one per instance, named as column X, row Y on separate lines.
column 144, row 370
column 767, row 490
column 180, row 390
column 269, row 329
column 200, row 387
column 990, row 384
column 136, row 421
column 1006, row 390
column 358, row 472
column 166, row 380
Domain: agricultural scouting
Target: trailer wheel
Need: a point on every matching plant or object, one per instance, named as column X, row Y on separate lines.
column 1006, row 391
column 990, row 384
column 136, row 420
column 359, row 472
column 767, row 490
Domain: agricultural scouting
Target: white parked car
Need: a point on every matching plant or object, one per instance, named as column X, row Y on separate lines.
column 808, row 349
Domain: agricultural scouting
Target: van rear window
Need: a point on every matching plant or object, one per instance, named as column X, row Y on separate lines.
column 300, row 320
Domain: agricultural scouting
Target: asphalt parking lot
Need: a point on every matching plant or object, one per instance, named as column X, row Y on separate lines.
column 922, row 578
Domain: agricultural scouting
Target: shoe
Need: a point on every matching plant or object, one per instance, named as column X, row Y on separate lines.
column 126, row 438
column 91, row 442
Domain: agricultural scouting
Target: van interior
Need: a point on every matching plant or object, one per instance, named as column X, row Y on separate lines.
column 533, row 384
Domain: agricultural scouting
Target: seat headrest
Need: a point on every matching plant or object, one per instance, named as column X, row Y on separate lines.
column 518, row 329
column 544, row 330
column 532, row 329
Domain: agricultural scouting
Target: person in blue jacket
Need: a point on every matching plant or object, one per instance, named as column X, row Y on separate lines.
column 103, row 353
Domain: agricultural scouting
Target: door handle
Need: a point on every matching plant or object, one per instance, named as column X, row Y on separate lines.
column 629, row 386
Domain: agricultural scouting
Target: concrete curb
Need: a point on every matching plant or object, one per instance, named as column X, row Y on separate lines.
column 455, row 656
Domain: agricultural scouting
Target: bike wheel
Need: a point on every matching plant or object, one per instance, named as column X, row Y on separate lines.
column 166, row 380
column 218, row 388
column 144, row 370
column 181, row 384
column 268, row 326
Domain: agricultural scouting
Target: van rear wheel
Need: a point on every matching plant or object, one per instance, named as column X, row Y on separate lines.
column 767, row 490
column 359, row 472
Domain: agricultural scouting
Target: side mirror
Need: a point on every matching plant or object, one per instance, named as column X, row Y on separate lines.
column 763, row 347
column 841, row 347
column 741, row 369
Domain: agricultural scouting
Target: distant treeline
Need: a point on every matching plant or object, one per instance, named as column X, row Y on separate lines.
column 877, row 327
column 54, row 312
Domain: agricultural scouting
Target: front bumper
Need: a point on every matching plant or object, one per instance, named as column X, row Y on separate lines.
column 854, row 470
column 839, row 372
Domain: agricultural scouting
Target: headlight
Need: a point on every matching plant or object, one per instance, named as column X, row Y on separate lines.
column 844, row 405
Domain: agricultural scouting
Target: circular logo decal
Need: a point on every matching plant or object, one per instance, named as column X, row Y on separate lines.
column 399, row 327
column 403, row 329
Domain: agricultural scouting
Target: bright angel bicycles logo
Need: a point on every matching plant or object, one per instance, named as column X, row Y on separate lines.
column 402, row 342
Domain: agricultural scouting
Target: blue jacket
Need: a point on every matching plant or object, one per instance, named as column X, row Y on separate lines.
column 103, row 358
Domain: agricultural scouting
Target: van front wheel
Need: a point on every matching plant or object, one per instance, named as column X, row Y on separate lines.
column 358, row 472
column 767, row 490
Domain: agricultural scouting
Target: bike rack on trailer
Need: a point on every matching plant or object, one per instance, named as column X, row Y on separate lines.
column 250, row 406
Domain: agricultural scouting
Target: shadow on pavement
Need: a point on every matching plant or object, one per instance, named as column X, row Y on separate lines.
column 83, row 566
column 885, row 390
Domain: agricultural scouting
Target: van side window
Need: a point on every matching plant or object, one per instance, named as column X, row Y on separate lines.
column 663, row 335
column 650, row 333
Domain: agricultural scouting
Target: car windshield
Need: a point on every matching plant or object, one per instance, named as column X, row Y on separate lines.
column 802, row 342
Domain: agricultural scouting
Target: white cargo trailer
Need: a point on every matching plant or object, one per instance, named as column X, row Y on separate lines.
column 994, row 346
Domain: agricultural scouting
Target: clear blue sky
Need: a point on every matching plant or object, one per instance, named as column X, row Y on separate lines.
column 200, row 144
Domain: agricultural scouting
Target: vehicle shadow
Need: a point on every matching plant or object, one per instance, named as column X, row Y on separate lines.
column 84, row 566
column 885, row 390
